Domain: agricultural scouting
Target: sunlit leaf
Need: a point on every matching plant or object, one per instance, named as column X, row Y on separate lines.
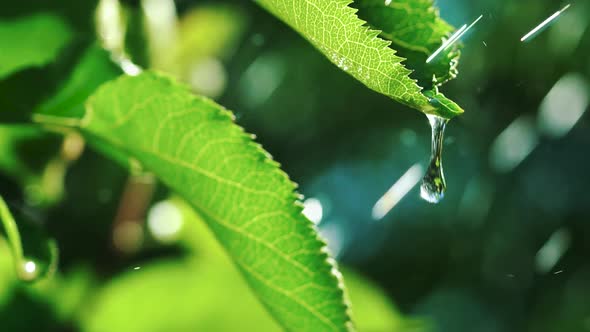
column 194, row 147
column 335, row 29
column 31, row 41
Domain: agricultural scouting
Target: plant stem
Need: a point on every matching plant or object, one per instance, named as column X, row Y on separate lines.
column 12, row 234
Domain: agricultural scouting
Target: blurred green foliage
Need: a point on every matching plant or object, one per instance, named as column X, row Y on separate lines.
column 34, row 33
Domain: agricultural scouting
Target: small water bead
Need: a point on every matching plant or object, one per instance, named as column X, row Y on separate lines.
column 433, row 184
column 44, row 265
column 28, row 270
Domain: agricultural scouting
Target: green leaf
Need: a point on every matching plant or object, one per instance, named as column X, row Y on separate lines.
column 31, row 41
column 373, row 311
column 334, row 28
column 93, row 69
column 177, row 295
column 194, row 147
column 417, row 31
column 438, row 99
column 25, row 151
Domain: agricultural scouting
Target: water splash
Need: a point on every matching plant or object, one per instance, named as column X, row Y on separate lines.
column 433, row 183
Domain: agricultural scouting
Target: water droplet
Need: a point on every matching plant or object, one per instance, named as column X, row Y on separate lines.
column 433, row 184
column 31, row 270
column 28, row 270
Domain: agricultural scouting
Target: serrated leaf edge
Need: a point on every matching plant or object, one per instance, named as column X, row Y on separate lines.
column 264, row 156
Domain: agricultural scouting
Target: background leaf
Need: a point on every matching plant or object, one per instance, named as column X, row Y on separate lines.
column 93, row 68
column 24, row 151
column 31, row 41
column 177, row 295
column 28, row 157
column 372, row 311
column 417, row 31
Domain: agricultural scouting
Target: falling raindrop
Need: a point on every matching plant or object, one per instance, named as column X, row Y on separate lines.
column 433, row 184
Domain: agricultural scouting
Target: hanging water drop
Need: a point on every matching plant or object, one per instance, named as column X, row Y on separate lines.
column 433, row 184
